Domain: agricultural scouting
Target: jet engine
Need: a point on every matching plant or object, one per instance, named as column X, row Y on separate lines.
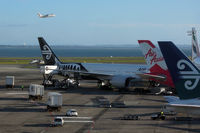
column 120, row 81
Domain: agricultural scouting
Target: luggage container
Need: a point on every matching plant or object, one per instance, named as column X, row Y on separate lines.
column 54, row 102
column 36, row 91
column 10, row 81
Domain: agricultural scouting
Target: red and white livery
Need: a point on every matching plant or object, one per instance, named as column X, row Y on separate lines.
column 155, row 61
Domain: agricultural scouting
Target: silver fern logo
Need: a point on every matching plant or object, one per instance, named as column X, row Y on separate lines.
column 46, row 51
column 192, row 75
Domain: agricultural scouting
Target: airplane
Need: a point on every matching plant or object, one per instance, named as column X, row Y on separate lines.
column 36, row 61
column 155, row 60
column 185, row 76
column 195, row 48
column 108, row 75
column 46, row 16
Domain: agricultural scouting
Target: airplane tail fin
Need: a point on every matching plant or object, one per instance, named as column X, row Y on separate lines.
column 155, row 61
column 184, row 73
column 39, row 14
column 195, row 45
column 48, row 55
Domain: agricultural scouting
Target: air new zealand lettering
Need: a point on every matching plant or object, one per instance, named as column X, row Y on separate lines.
column 46, row 51
column 192, row 75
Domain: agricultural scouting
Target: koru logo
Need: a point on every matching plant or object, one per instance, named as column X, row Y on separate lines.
column 192, row 74
column 46, row 51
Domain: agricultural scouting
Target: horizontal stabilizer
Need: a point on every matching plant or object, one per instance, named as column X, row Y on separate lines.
column 171, row 98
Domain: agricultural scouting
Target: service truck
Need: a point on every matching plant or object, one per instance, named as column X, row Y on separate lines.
column 10, row 81
column 36, row 91
column 54, row 102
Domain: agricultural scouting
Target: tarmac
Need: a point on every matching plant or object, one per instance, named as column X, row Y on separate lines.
column 20, row 115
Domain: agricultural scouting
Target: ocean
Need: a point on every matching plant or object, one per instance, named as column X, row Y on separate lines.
column 78, row 51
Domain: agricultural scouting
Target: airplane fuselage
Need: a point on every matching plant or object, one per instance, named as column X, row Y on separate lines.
column 46, row 16
column 128, row 70
column 115, row 69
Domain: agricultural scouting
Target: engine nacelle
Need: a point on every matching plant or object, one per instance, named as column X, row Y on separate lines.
column 119, row 81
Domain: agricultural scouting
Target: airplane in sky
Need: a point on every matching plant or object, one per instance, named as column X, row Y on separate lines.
column 46, row 16
column 186, row 77
column 115, row 75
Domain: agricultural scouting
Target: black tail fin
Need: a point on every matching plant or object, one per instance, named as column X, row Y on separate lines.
column 185, row 74
column 48, row 55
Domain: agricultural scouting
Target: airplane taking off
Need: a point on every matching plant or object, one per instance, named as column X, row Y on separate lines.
column 46, row 16
column 115, row 75
column 186, row 77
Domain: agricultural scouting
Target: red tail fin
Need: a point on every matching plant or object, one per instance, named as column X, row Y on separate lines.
column 155, row 61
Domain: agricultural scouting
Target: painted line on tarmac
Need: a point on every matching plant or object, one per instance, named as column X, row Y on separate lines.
column 79, row 121
column 17, row 93
column 65, row 117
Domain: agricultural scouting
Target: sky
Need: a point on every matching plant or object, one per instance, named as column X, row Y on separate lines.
column 98, row 22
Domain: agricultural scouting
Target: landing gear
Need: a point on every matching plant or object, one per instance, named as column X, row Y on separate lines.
column 67, row 83
column 154, row 83
column 104, row 85
column 47, row 80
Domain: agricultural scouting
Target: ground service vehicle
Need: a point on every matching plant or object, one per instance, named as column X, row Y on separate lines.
column 54, row 101
column 36, row 91
column 158, row 116
column 72, row 112
column 58, row 121
column 10, row 81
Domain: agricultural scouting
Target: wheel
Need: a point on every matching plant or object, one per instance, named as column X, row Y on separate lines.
column 48, row 108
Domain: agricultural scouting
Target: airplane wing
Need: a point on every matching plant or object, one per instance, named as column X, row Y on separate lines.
column 185, row 105
column 176, row 102
column 151, row 76
column 109, row 76
column 95, row 75
column 170, row 99
column 81, row 73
